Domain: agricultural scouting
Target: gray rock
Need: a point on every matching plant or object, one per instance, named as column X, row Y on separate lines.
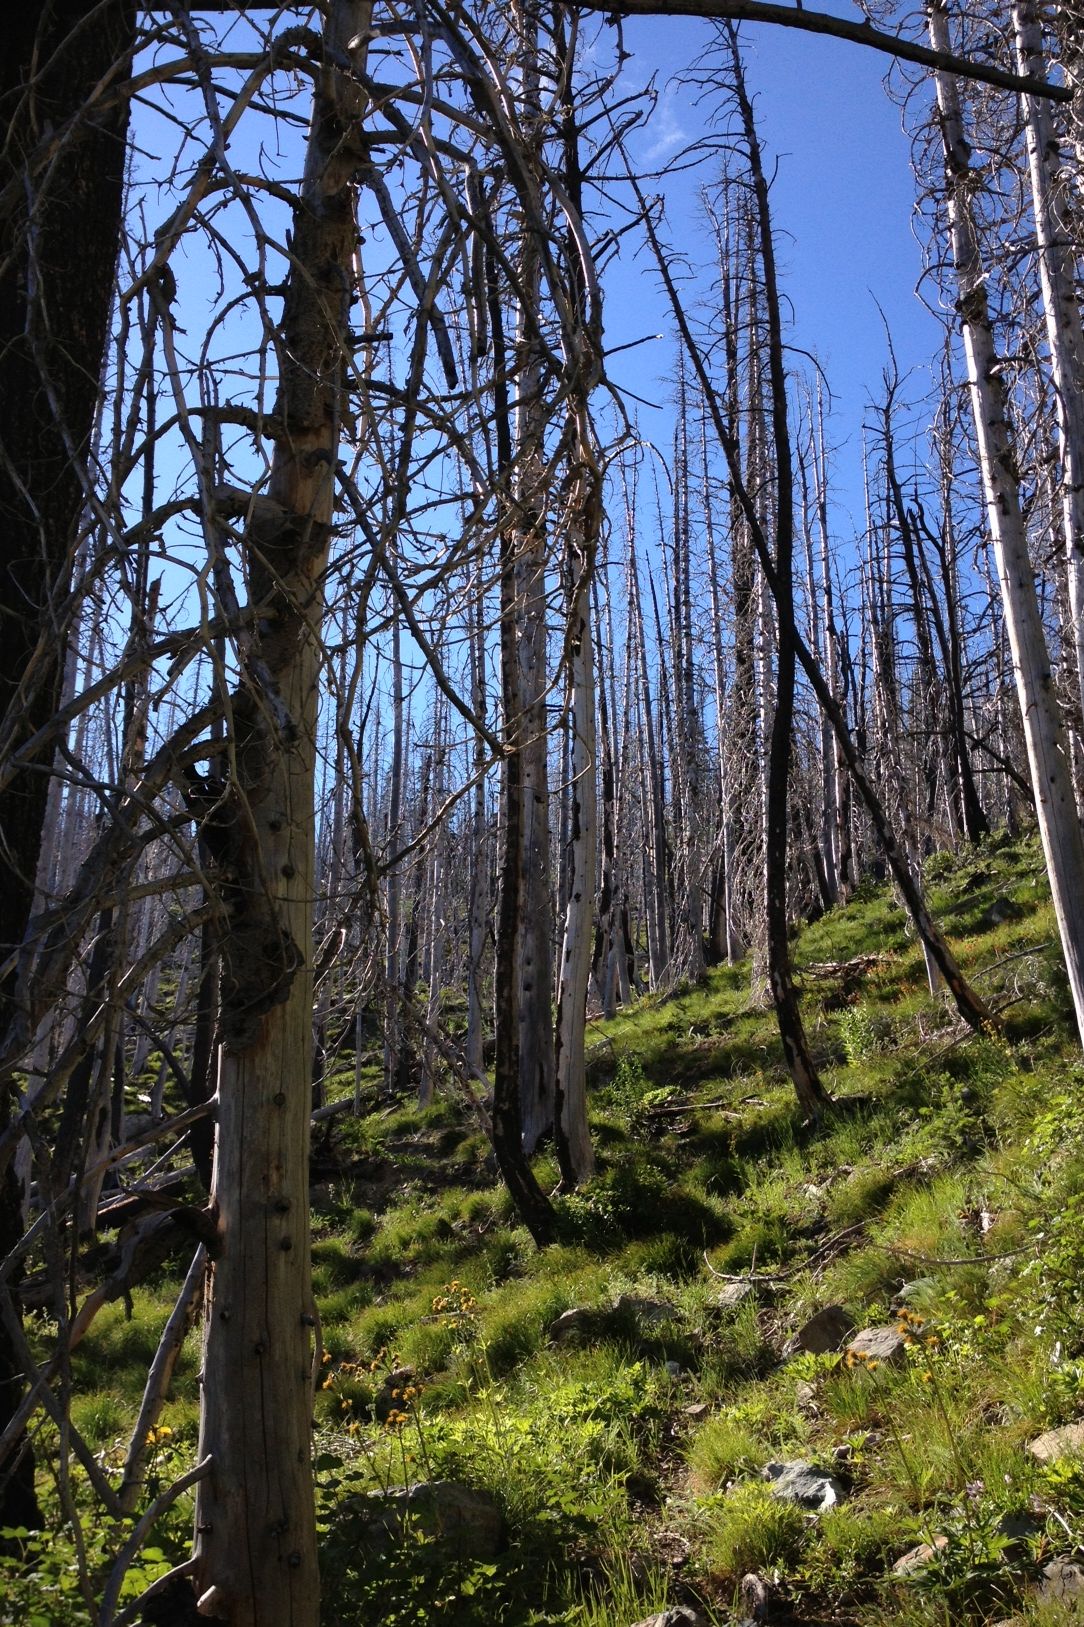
column 885, row 1346
column 756, row 1596
column 678, row 1615
column 805, row 1485
column 1063, row 1582
column 648, row 1312
column 805, row 1397
column 1058, row 1443
column 581, row 1322
column 697, row 1410
column 733, row 1294
column 450, row 1513
column 916, row 1559
column 823, row 1332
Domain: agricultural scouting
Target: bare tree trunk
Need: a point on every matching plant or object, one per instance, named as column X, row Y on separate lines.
column 945, row 616
column 573, row 1137
column 531, row 1202
column 1051, row 210
column 820, row 845
column 687, row 951
column 833, row 777
column 479, row 871
column 811, row 1094
column 723, row 934
column 608, row 924
column 436, row 911
column 393, row 968
column 1059, row 824
column 535, row 965
column 255, row 1519
column 654, row 856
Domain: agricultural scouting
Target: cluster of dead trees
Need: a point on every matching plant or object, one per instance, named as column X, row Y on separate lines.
column 376, row 702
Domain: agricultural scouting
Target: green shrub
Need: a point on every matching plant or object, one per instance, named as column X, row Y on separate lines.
column 750, row 1530
column 720, row 1450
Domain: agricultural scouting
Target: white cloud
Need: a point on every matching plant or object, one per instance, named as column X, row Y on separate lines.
column 666, row 127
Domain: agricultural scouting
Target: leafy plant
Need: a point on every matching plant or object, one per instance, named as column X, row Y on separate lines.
column 750, row 1530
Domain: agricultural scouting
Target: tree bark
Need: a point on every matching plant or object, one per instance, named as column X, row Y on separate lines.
column 255, row 1519
column 532, row 1205
column 573, row 1137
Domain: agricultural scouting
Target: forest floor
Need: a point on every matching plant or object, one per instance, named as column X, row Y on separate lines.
column 597, row 1418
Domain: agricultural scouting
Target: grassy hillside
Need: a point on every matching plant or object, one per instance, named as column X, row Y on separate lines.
column 624, row 1448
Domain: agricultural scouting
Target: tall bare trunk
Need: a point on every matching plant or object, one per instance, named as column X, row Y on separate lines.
column 479, row 870
column 531, row 1202
column 255, row 1519
column 573, row 1138
column 1058, row 271
column 393, row 956
column 1059, row 824
column 810, row 1092
column 651, row 795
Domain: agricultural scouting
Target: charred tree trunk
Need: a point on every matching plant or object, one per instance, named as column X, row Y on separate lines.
column 63, row 61
column 531, row 1202
column 573, row 1137
column 811, row 1094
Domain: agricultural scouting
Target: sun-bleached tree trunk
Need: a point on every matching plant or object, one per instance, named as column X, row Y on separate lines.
column 944, row 604
column 822, row 844
column 255, row 1548
column 1055, row 804
column 687, row 950
column 1058, row 272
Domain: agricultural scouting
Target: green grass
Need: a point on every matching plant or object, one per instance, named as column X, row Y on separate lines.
column 626, row 1461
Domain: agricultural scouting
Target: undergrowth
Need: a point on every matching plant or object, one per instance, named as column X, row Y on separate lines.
column 622, row 1448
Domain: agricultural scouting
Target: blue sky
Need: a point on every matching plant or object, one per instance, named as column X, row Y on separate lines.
column 843, row 201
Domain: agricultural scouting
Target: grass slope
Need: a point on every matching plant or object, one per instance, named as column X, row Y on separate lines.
column 626, row 1456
